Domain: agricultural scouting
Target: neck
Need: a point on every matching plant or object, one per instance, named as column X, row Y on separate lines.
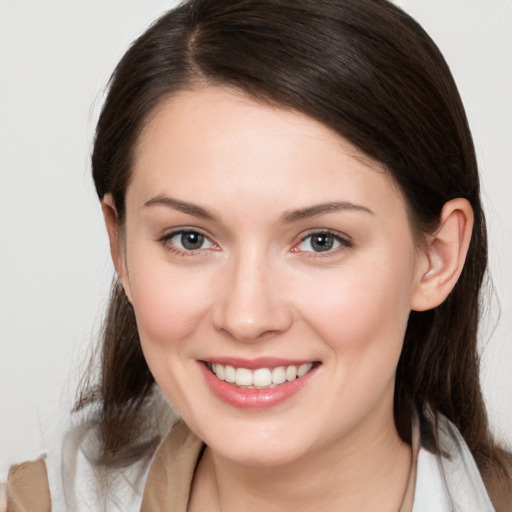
column 362, row 472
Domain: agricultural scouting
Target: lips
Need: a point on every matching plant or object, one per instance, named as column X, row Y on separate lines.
column 256, row 383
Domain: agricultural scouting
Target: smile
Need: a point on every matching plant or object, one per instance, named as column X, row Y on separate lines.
column 267, row 383
column 260, row 378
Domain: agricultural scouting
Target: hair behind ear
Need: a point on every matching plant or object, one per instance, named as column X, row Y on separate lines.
column 124, row 390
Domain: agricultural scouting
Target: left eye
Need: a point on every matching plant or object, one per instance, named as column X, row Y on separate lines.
column 321, row 242
column 188, row 241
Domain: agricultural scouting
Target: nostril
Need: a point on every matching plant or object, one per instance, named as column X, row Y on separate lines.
column 252, row 325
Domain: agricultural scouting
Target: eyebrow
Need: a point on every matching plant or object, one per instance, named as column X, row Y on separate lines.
column 288, row 217
column 319, row 209
column 182, row 206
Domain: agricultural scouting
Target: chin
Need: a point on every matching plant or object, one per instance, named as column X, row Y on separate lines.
column 261, row 458
column 267, row 451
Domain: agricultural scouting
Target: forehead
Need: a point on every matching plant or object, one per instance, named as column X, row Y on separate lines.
column 215, row 144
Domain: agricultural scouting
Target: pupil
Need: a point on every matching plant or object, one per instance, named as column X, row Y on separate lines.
column 191, row 240
column 322, row 243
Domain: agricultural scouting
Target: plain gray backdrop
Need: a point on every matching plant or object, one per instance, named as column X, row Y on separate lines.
column 55, row 60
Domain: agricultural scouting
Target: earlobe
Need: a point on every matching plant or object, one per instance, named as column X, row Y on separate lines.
column 115, row 239
column 445, row 255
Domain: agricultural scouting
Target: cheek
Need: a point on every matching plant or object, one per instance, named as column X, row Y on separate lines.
column 169, row 306
column 363, row 309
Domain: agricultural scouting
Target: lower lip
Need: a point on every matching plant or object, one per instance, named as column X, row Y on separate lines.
column 244, row 398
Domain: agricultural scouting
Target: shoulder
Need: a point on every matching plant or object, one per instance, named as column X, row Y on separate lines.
column 172, row 471
column 27, row 488
column 70, row 478
column 78, row 481
column 499, row 485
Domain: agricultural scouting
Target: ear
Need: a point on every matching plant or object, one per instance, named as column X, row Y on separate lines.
column 445, row 256
column 115, row 236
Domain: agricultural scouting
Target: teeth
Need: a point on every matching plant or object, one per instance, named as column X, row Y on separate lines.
column 278, row 375
column 219, row 371
column 291, row 373
column 262, row 377
column 243, row 377
column 229, row 374
column 303, row 369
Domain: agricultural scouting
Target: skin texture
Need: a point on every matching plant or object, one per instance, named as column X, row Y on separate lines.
column 257, row 288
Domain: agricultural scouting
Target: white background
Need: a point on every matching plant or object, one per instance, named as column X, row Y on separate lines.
column 55, row 59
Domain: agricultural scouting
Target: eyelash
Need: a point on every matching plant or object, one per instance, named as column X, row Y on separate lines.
column 336, row 237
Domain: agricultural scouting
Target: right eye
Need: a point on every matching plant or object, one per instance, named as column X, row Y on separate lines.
column 186, row 241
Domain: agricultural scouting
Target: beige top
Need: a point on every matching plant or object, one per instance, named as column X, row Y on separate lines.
column 167, row 487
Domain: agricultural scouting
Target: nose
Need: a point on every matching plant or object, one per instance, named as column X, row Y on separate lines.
column 251, row 305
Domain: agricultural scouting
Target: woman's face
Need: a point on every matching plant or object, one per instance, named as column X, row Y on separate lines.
column 262, row 247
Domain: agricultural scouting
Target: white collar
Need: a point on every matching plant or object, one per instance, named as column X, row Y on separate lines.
column 449, row 484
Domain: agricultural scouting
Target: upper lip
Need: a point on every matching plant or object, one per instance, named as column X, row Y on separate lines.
column 258, row 362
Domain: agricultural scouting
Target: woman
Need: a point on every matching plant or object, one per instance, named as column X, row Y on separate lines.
column 292, row 200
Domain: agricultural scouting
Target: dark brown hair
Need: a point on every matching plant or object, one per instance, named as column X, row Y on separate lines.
column 368, row 71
